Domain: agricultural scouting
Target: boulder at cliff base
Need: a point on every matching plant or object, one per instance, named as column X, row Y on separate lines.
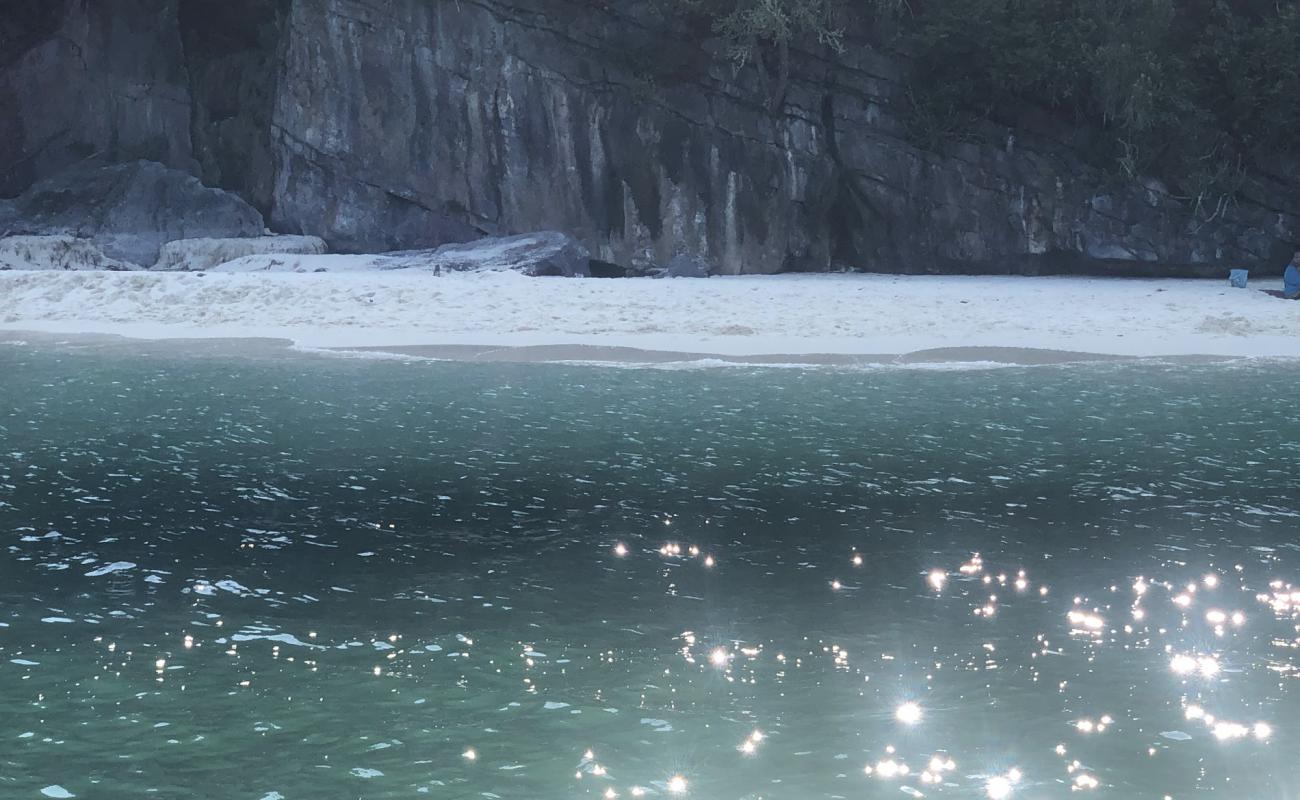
column 128, row 210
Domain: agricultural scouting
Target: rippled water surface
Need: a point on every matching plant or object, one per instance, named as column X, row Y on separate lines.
column 287, row 576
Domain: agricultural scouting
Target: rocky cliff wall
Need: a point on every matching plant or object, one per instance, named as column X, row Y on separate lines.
column 82, row 80
column 411, row 123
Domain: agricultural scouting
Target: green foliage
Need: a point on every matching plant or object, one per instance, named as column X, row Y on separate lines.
column 1188, row 90
column 1192, row 91
column 761, row 32
column 748, row 25
column 1251, row 68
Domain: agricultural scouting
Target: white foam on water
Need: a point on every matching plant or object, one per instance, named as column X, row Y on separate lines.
column 283, row 638
column 659, row 725
column 1177, row 736
column 57, row 792
column 116, row 566
column 22, row 662
column 552, row 705
column 56, row 620
column 362, row 772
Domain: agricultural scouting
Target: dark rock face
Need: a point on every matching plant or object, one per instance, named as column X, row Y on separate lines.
column 106, row 82
column 413, row 123
column 500, row 118
column 128, row 210
column 232, row 54
column 606, row 269
column 25, row 24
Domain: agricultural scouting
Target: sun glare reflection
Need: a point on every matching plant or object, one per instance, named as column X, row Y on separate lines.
column 909, row 713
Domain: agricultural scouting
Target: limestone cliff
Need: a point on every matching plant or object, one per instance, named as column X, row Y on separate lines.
column 412, row 123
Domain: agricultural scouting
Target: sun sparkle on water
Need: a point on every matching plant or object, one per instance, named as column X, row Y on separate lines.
column 445, row 592
column 909, row 713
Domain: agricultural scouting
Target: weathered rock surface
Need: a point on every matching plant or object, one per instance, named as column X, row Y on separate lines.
column 90, row 80
column 54, row 252
column 542, row 254
column 129, row 210
column 413, row 123
column 232, row 57
column 683, row 266
column 193, row 255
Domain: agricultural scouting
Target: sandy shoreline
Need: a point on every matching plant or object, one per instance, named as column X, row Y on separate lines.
column 274, row 348
column 809, row 319
column 631, row 355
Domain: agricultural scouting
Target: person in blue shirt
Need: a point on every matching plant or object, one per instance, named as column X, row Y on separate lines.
column 1291, row 279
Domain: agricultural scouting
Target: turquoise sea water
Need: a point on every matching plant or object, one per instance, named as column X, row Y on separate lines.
column 274, row 575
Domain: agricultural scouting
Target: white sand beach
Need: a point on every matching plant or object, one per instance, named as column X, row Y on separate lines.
column 754, row 317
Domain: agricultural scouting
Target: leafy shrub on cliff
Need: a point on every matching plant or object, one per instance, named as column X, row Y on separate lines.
column 760, row 32
column 1190, row 90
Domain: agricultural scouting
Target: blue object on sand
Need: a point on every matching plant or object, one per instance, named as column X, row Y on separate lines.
column 1237, row 277
column 1291, row 282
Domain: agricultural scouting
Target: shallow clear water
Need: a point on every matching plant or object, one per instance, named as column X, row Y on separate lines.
column 275, row 575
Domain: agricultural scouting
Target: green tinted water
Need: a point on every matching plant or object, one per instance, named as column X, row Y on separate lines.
column 301, row 577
